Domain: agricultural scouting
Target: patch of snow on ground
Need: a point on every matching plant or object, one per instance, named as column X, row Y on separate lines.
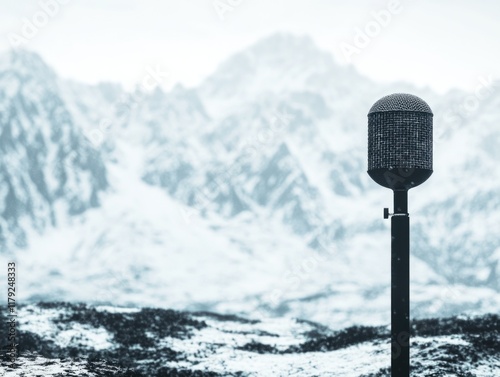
column 43, row 324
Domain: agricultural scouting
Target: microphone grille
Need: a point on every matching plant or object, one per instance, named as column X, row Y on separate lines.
column 400, row 102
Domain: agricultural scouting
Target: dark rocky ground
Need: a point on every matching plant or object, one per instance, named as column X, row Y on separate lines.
column 60, row 339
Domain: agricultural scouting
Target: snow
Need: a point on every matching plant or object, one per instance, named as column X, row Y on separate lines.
column 113, row 309
column 339, row 363
column 41, row 366
column 229, row 345
column 42, row 323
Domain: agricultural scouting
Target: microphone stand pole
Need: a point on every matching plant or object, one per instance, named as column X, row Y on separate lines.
column 400, row 286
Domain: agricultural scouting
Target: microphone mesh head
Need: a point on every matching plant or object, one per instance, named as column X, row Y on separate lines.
column 400, row 133
column 400, row 102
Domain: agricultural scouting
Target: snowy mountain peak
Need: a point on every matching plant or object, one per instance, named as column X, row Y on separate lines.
column 281, row 62
column 283, row 45
column 26, row 65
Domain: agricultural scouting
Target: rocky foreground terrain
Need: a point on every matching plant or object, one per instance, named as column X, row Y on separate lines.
column 61, row 339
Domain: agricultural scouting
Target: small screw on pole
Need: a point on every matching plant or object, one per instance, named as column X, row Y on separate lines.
column 386, row 213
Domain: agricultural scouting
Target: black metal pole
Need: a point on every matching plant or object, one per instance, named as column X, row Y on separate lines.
column 400, row 286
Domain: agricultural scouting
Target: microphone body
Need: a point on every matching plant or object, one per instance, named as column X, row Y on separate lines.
column 400, row 141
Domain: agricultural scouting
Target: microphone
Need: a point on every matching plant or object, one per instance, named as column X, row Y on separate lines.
column 400, row 141
column 400, row 158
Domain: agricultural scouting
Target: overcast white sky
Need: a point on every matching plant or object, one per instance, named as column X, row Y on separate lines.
column 441, row 44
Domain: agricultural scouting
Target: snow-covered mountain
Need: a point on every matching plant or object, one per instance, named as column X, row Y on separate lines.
column 47, row 165
column 247, row 194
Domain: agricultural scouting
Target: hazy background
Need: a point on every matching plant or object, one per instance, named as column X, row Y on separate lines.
column 438, row 44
